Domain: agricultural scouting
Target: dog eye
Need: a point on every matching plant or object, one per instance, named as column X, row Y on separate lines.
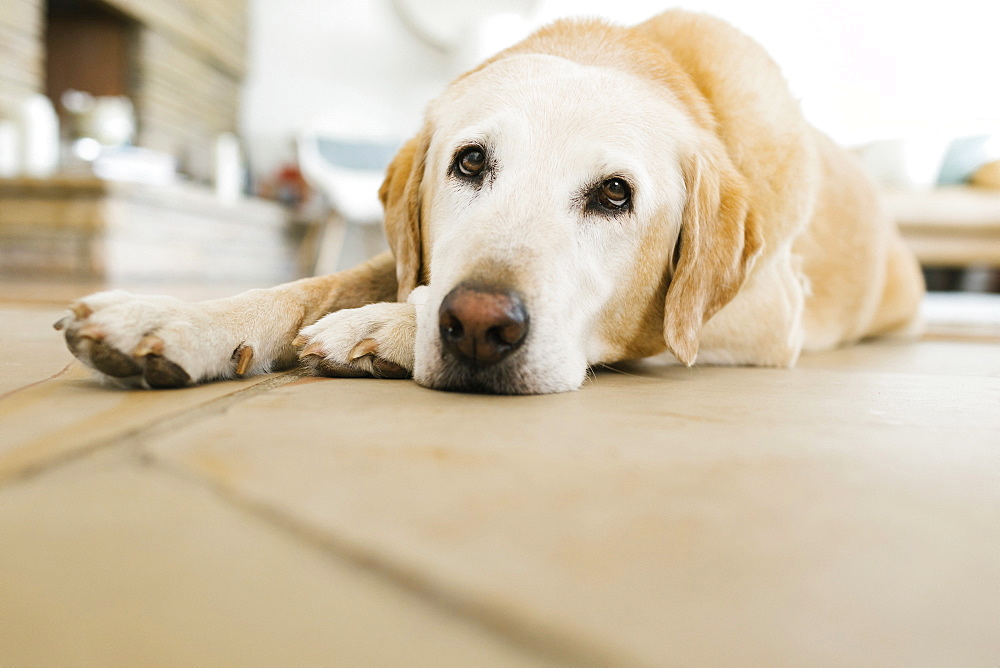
column 613, row 194
column 470, row 162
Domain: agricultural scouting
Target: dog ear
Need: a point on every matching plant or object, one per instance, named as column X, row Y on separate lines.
column 400, row 195
column 719, row 242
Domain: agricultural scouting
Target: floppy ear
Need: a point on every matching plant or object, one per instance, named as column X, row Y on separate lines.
column 719, row 242
column 400, row 195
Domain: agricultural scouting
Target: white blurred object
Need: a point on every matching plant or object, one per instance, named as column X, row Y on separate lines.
column 135, row 165
column 87, row 149
column 10, row 164
column 991, row 150
column 39, row 137
column 345, row 161
column 954, row 308
column 108, row 119
column 228, row 167
column 112, row 121
column 912, row 162
column 468, row 32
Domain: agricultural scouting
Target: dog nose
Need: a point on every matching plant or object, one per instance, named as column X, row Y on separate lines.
column 482, row 325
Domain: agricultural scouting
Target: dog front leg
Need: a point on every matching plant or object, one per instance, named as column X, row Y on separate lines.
column 163, row 342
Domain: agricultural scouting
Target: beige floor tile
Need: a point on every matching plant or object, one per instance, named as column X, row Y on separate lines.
column 51, row 406
column 61, row 414
column 842, row 512
column 108, row 562
column 948, row 358
column 30, row 350
column 693, row 516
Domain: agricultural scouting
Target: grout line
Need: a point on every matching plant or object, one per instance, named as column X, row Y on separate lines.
column 57, row 374
column 552, row 643
column 150, row 429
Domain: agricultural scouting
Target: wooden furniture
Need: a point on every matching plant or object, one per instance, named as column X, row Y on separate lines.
column 86, row 229
column 185, row 64
column 949, row 227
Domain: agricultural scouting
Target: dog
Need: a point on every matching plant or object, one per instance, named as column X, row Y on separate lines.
column 593, row 194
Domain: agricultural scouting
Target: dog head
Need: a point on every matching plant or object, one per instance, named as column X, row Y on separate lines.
column 568, row 204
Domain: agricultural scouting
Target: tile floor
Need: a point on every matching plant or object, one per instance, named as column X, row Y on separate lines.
column 843, row 512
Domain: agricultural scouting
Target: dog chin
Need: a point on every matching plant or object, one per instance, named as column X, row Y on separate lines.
column 512, row 376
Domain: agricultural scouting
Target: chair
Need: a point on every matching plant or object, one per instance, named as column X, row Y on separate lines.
column 347, row 167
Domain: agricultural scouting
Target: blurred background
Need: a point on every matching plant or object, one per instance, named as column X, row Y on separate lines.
column 241, row 142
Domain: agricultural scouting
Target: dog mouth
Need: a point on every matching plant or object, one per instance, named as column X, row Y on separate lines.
column 524, row 372
column 505, row 378
column 517, row 375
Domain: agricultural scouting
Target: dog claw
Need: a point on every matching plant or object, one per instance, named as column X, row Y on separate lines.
column 149, row 345
column 60, row 324
column 244, row 357
column 364, row 347
column 313, row 349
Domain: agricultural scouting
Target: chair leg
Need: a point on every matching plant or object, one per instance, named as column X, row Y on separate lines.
column 331, row 245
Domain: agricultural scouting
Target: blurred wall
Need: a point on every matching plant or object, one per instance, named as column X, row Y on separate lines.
column 865, row 69
column 330, row 58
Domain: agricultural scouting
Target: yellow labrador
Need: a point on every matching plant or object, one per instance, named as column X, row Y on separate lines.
column 593, row 194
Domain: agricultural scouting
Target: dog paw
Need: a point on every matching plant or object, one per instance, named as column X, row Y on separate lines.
column 372, row 341
column 154, row 341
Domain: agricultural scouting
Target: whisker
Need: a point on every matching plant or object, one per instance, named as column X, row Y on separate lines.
column 620, row 372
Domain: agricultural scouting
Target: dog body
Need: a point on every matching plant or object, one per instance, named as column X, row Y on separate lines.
column 591, row 195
